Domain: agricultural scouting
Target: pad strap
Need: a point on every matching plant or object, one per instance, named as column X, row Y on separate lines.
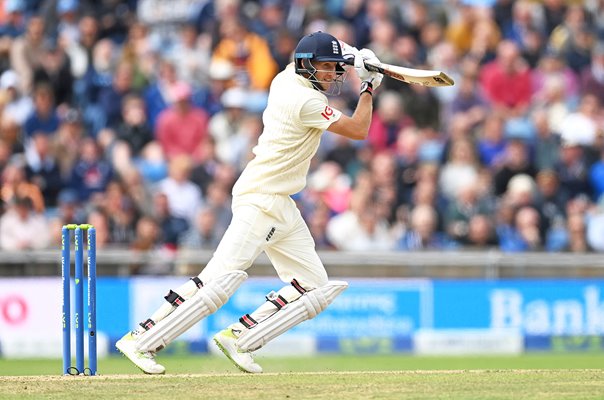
column 277, row 300
column 148, row 324
column 248, row 321
column 298, row 287
column 174, row 298
column 197, row 281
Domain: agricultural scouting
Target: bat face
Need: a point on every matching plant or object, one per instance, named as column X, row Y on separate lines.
column 415, row 76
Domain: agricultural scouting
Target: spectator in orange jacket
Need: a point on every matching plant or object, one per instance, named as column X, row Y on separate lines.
column 248, row 52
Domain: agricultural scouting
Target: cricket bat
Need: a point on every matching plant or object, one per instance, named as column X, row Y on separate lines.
column 408, row 75
column 411, row 75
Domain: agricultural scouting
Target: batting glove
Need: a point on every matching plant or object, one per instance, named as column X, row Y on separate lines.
column 374, row 77
column 348, row 52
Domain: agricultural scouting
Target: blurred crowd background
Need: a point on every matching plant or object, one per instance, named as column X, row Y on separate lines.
column 138, row 116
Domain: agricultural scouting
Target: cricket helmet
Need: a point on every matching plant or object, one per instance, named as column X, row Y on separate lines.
column 319, row 46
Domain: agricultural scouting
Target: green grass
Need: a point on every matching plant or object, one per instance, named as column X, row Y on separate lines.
column 531, row 376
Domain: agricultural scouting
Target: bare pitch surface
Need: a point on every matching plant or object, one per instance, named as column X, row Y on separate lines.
column 442, row 384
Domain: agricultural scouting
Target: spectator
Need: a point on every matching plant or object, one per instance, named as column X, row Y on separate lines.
column 18, row 106
column 172, row 228
column 460, row 168
column 547, row 144
column 134, row 128
column 592, row 77
column 573, row 170
column 516, row 161
column 43, row 170
column 460, row 212
column 387, row 121
column 26, row 53
column 423, row 233
column 90, row 174
column 15, row 185
column 225, row 124
column 111, row 97
column 202, row 234
column 44, row 118
column 55, row 70
column 506, row 81
column 481, row 233
column 524, row 234
column 184, row 197
column 491, row 142
column 182, row 128
column 248, row 52
column 21, row 228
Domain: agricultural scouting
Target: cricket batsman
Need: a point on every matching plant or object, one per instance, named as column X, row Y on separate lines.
column 265, row 218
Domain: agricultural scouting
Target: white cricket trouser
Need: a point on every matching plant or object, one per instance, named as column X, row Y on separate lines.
column 273, row 224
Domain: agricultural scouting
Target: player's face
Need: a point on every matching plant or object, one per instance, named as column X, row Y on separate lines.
column 326, row 73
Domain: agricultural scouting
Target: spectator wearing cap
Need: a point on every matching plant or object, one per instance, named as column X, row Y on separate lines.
column 26, row 53
column 182, row 128
column 19, row 106
column 67, row 27
column 21, row 228
column 572, row 170
column 226, row 123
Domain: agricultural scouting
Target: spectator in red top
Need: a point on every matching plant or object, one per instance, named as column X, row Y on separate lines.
column 182, row 128
column 506, row 81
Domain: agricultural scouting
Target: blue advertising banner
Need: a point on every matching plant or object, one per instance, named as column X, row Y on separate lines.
column 371, row 316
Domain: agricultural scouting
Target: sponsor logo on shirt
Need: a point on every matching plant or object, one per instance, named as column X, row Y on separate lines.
column 327, row 113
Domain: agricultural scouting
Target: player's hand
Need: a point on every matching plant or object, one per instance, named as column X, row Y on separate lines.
column 374, row 77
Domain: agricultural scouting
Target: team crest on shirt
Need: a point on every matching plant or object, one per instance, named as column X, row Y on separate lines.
column 327, row 113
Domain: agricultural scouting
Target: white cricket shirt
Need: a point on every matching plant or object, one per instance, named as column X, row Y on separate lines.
column 294, row 120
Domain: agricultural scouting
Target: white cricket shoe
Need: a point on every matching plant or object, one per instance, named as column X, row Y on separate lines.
column 145, row 360
column 227, row 343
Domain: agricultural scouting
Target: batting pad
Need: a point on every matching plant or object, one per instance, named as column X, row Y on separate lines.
column 206, row 301
column 306, row 307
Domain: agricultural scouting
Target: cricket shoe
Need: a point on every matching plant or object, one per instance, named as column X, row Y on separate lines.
column 145, row 360
column 227, row 343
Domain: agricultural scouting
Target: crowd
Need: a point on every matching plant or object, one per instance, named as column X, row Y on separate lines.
column 138, row 116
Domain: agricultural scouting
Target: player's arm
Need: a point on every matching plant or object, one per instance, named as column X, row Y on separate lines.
column 356, row 127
